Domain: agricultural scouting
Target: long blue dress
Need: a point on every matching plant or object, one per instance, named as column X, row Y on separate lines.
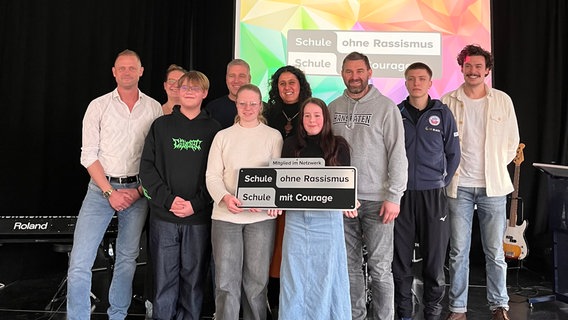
column 314, row 281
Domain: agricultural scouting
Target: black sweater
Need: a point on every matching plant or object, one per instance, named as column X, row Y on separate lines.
column 173, row 164
column 278, row 121
column 313, row 150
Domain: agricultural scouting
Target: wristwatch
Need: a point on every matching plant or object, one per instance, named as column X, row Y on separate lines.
column 107, row 193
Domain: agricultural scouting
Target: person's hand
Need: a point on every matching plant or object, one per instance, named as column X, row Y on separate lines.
column 133, row 195
column 389, row 211
column 181, row 208
column 274, row 212
column 121, row 199
column 352, row 213
column 232, row 203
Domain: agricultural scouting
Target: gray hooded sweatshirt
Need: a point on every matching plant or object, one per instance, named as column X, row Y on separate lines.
column 373, row 127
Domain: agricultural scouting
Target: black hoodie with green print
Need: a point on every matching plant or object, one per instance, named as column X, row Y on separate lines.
column 173, row 164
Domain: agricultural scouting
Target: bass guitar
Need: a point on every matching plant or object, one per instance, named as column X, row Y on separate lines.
column 514, row 243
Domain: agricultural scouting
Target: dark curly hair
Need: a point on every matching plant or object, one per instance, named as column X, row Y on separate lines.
column 305, row 89
column 475, row 50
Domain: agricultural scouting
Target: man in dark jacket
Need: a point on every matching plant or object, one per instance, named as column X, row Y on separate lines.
column 433, row 153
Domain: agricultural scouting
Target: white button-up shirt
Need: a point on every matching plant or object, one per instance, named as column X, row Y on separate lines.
column 114, row 135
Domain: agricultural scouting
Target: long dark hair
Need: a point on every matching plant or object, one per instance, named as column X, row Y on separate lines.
column 329, row 143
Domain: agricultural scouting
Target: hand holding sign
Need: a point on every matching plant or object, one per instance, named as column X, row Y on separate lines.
column 352, row 213
column 232, row 203
column 274, row 212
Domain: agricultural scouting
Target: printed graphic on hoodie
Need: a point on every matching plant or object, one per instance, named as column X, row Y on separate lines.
column 182, row 144
column 361, row 119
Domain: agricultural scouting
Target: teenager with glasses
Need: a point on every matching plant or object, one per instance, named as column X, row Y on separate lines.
column 242, row 238
column 172, row 170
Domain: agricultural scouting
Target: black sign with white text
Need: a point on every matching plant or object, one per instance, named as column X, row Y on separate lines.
column 323, row 188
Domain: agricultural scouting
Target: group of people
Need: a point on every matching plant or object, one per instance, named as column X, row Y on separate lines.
column 424, row 167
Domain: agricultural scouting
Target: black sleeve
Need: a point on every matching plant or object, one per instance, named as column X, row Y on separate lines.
column 156, row 189
column 343, row 152
column 288, row 148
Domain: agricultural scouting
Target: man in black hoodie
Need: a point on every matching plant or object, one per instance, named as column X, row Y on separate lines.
column 172, row 171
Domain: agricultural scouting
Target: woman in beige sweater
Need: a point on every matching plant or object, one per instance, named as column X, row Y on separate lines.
column 242, row 238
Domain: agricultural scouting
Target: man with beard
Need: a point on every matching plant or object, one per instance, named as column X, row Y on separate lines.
column 372, row 124
column 489, row 137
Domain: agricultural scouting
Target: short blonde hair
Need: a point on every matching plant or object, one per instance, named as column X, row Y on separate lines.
column 128, row 52
column 195, row 77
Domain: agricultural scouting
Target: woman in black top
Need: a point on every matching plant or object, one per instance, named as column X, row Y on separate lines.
column 314, row 278
column 288, row 89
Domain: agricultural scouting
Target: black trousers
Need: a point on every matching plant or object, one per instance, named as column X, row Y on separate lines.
column 424, row 219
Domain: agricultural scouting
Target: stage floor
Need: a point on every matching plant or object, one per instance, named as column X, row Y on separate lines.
column 31, row 273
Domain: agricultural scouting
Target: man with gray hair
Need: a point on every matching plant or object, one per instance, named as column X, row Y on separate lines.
column 224, row 109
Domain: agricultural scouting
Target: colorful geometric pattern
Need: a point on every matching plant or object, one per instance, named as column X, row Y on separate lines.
column 262, row 26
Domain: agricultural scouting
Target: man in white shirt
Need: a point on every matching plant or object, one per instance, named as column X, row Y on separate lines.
column 114, row 128
column 489, row 137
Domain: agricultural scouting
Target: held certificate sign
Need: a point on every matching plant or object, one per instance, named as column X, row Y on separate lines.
column 298, row 188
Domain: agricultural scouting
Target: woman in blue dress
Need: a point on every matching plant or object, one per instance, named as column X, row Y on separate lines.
column 313, row 277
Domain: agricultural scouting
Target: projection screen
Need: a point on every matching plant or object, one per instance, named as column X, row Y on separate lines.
column 315, row 36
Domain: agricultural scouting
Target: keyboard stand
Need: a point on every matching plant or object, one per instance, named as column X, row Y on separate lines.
column 60, row 296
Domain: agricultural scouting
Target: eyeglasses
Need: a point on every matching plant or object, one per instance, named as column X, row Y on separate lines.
column 252, row 104
column 171, row 81
column 190, row 89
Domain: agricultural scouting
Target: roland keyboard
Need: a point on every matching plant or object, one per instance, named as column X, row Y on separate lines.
column 43, row 228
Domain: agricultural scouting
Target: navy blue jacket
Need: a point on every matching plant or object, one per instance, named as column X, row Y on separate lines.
column 432, row 146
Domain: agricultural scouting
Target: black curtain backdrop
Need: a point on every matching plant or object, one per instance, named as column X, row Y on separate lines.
column 531, row 65
column 56, row 56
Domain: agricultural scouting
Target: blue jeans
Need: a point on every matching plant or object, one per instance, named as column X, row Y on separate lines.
column 181, row 255
column 242, row 254
column 92, row 222
column 369, row 228
column 314, row 282
column 491, row 212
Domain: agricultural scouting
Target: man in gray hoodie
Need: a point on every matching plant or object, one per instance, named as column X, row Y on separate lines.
column 372, row 125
